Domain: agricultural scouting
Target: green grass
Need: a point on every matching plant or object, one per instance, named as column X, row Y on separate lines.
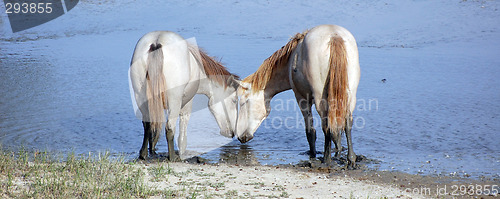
column 284, row 194
column 160, row 172
column 36, row 174
column 257, row 185
column 231, row 193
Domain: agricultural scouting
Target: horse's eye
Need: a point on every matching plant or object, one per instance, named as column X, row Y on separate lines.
column 244, row 102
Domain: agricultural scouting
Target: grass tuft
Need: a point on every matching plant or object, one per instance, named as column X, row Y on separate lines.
column 37, row 174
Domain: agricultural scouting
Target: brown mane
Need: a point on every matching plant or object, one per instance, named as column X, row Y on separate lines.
column 214, row 69
column 278, row 59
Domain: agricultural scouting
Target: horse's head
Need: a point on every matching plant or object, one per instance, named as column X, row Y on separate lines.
column 253, row 110
column 224, row 106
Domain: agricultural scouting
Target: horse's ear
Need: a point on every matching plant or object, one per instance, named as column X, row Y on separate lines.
column 232, row 82
column 242, row 84
column 243, row 87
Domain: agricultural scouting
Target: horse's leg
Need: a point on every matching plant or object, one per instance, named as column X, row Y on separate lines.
column 155, row 136
column 327, row 156
column 174, row 107
column 337, row 140
column 322, row 108
column 305, row 108
column 153, row 139
column 183, row 123
column 170, row 132
column 143, row 153
column 351, row 156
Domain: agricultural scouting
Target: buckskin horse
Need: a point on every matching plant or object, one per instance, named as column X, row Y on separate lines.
column 321, row 66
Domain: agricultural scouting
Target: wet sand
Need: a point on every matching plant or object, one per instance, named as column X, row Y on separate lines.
column 233, row 181
column 311, row 179
column 428, row 186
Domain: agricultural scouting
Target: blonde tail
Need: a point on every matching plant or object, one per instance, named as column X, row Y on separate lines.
column 338, row 85
column 155, row 87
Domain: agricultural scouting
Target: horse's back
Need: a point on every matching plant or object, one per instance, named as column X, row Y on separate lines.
column 163, row 37
column 317, row 45
column 312, row 60
column 177, row 65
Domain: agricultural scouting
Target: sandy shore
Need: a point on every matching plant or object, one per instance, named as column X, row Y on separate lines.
column 231, row 181
column 225, row 180
column 42, row 175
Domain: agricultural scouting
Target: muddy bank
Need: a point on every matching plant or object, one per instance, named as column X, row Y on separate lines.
column 429, row 186
column 426, row 185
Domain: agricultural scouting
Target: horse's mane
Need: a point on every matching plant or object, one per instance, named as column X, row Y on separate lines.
column 214, row 69
column 278, row 59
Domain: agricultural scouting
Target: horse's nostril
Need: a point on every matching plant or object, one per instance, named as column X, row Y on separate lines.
column 242, row 140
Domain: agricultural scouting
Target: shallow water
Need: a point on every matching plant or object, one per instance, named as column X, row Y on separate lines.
column 426, row 118
column 436, row 113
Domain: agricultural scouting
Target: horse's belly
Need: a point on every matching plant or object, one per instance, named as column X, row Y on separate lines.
column 299, row 83
column 190, row 91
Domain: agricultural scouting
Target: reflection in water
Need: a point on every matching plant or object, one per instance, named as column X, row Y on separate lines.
column 242, row 155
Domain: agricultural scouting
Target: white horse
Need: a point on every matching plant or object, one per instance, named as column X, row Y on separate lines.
column 322, row 67
column 165, row 74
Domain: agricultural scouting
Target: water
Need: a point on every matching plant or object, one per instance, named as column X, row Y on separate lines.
column 437, row 112
column 433, row 115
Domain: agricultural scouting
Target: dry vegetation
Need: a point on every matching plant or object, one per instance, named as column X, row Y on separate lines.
column 36, row 174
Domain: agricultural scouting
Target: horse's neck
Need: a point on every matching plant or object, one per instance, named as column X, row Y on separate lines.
column 208, row 87
column 278, row 83
column 200, row 76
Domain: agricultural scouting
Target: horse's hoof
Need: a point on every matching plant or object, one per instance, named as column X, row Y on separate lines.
column 328, row 164
column 143, row 156
column 327, row 161
column 313, row 162
column 352, row 166
column 312, row 158
column 312, row 154
column 352, row 162
column 174, row 158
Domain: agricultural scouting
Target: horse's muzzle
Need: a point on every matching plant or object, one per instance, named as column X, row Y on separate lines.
column 245, row 138
column 227, row 133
